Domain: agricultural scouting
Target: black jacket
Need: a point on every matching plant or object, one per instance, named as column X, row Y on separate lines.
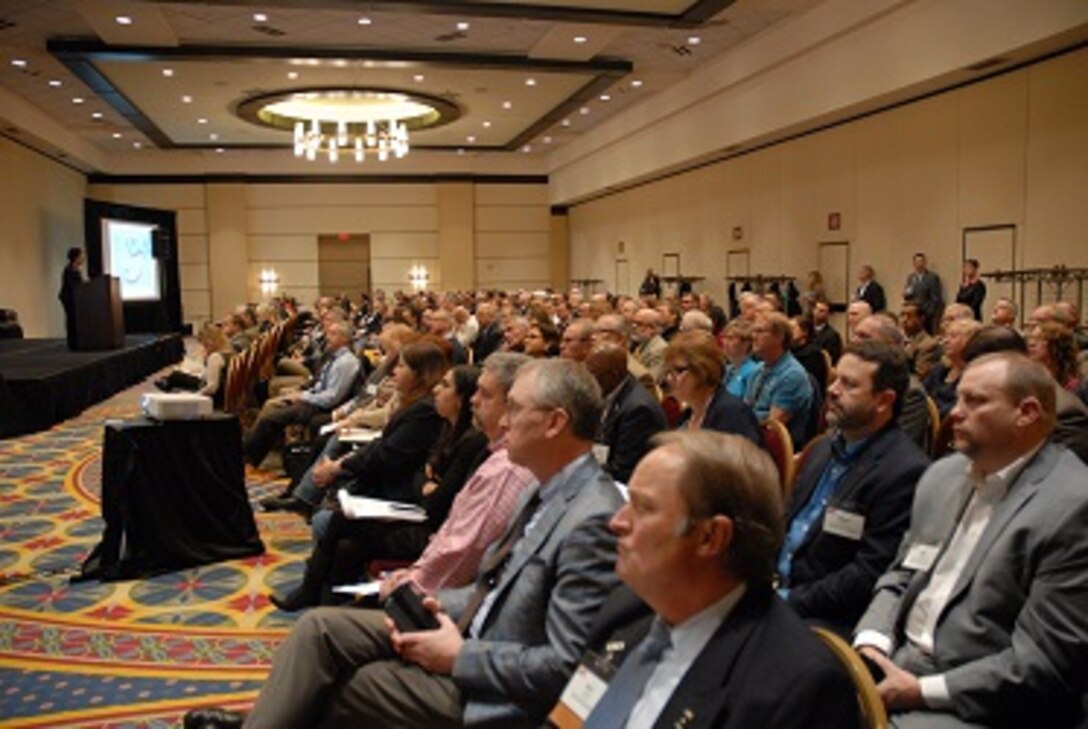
column 832, row 577
column 633, row 418
column 728, row 414
column 488, row 340
column 873, row 296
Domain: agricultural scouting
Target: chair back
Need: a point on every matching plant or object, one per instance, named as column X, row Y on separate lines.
column 776, row 439
column 871, row 708
column 830, row 368
column 942, row 441
column 934, row 424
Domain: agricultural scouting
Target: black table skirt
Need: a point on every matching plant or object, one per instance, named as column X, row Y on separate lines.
column 173, row 496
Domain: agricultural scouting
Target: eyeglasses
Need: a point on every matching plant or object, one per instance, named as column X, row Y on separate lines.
column 677, row 370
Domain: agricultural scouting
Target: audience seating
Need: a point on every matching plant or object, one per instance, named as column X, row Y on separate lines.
column 871, row 707
column 830, row 368
column 934, row 423
column 942, row 441
column 777, row 441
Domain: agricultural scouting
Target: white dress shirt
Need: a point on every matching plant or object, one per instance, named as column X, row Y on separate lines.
column 687, row 641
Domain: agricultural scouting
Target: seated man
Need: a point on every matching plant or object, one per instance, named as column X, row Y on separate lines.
column 851, row 503
column 982, row 620
column 649, row 344
column 697, row 544
column 632, row 415
column 612, row 329
column 780, row 388
column 333, row 387
column 519, row 629
column 913, row 415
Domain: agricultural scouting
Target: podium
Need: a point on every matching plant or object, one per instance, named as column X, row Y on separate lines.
column 100, row 319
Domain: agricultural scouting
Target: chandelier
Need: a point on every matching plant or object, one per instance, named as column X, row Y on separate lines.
column 330, row 123
column 381, row 138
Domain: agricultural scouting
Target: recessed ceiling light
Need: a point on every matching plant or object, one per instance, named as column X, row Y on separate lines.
column 292, row 75
column 186, row 99
column 77, row 100
column 213, row 136
column 201, row 120
column 471, row 139
column 527, row 148
column 123, row 20
column 462, row 26
column 487, row 125
column 547, row 140
column 365, row 21
column 96, row 115
column 219, row 150
column 637, row 83
column 137, row 145
column 18, row 62
column 260, row 17
column 694, row 40
column 168, row 72
column 54, row 83
column 605, row 97
column 530, row 81
column 507, row 105
column 117, row 135
column 565, row 122
column 460, row 150
column 584, row 110
column 418, row 77
column 580, row 39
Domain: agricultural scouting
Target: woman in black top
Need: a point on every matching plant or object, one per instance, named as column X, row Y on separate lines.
column 345, row 546
column 972, row 291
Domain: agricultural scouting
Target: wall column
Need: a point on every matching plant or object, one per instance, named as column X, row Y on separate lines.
column 457, row 235
column 559, row 249
column 228, row 252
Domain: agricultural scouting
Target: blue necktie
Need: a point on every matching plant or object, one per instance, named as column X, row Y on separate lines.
column 626, row 687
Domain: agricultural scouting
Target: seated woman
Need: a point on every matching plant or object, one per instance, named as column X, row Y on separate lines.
column 542, row 340
column 212, row 381
column 942, row 380
column 693, row 370
column 739, row 363
column 345, row 546
column 1054, row 346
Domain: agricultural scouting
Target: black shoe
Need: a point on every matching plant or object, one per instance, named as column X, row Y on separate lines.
column 277, row 503
column 212, row 718
column 294, row 601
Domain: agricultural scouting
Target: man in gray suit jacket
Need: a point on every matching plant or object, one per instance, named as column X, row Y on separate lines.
column 983, row 617
column 505, row 646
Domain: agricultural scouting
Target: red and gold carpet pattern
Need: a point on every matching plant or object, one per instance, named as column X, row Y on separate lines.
column 122, row 654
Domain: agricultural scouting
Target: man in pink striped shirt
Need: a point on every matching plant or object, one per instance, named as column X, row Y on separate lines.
column 483, row 508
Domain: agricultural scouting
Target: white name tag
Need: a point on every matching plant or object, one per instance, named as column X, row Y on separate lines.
column 843, row 523
column 372, row 390
column 600, row 452
column 920, row 556
column 583, row 691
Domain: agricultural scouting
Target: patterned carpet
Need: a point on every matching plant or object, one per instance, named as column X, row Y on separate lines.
column 122, row 654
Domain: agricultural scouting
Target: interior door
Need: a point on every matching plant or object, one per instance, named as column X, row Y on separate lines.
column 994, row 246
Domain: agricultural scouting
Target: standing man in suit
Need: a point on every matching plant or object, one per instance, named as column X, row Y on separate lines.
column 983, row 617
column 696, row 545
column 869, row 289
column 70, row 279
column 632, row 416
column 852, row 500
column 924, row 288
column 507, row 644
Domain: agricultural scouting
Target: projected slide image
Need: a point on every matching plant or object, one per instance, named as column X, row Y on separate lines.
column 129, row 258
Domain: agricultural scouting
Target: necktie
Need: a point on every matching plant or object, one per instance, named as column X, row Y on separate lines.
column 626, row 687
column 491, row 567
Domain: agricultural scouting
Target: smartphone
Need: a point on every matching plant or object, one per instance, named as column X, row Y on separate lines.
column 405, row 606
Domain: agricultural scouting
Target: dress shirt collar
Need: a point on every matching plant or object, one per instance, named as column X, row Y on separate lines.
column 997, row 484
column 558, row 482
column 688, row 638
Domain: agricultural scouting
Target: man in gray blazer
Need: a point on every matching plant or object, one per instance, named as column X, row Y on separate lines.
column 983, row 617
column 506, row 645
column 924, row 288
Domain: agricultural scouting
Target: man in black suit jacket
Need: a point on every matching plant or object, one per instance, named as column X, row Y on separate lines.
column 869, row 290
column 632, row 415
column 825, row 336
column 851, row 504
column 489, row 338
column 696, row 544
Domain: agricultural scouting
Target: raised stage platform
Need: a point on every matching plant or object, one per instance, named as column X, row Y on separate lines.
column 42, row 383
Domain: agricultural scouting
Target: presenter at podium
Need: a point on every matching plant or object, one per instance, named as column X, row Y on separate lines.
column 72, row 277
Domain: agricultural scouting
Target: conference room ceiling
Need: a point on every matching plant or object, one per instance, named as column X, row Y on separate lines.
column 524, row 76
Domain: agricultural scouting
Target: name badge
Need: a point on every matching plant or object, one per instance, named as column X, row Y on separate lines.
column 600, row 452
column 583, row 691
column 920, row 556
column 843, row 523
column 372, row 390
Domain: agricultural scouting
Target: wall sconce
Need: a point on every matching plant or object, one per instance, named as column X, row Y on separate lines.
column 270, row 281
column 417, row 276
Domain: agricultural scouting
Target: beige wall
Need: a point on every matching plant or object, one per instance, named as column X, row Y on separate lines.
column 41, row 206
column 466, row 234
column 1010, row 150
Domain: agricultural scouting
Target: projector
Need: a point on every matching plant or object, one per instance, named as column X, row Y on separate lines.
column 176, row 405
